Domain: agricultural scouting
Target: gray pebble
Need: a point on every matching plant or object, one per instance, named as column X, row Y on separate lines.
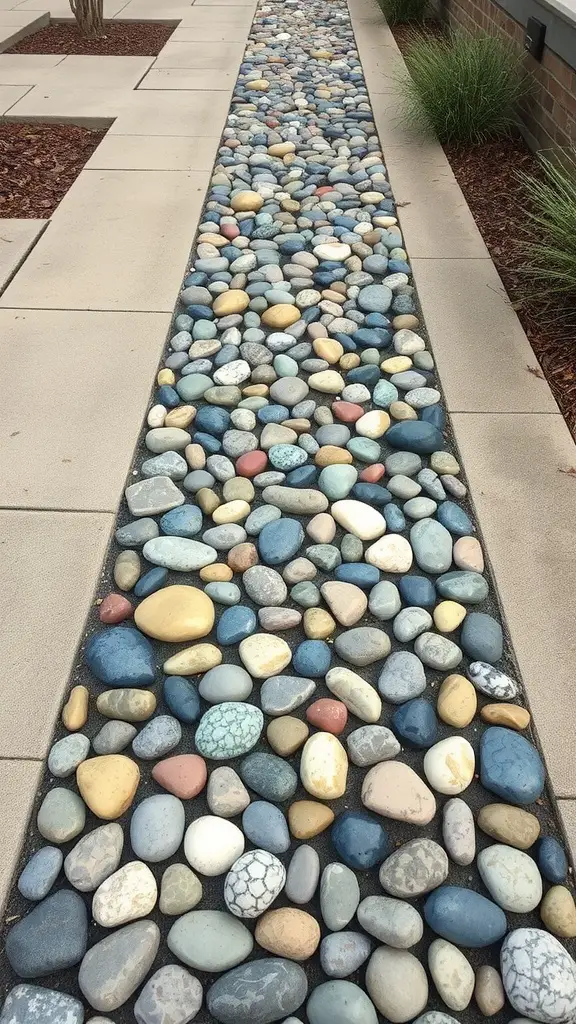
column 224, row 537
column 384, row 601
column 61, row 816
column 26, row 1004
column 114, row 968
column 157, row 828
column 342, row 953
column 339, row 896
column 394, row 922
column 352, row 549
column 113, row 737
column 415, row 868
column 40, row 873
column 264, row 585
column 371, row 744
column 410, row 622
column 67, row 754
column 227, row 594
column 95, row 857
column 302, row 875
column 225, row 682
column 135, row 534
column 171, row 996
column 158, row 737
column 402, row 677
column 280, row 695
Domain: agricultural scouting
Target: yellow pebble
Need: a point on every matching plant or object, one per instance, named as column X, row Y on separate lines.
column 213, row 239
column 232, row 301
column 448, row 615
column 558, row 912
column 321, row 54
column 402, row 411
column 286, row 734
column 396, row 364
column 256, row 390
column 216, row 573
column 192, row 660
column 318, row 623
column 75, row 710
column 246, row 201
column 327, row 349
column 182, row 416
column 176, row 614
column 280, row 316
column 290, row 205
column 457, row 701
column 330, row 455
column 282, row 148
column 260, row 85
column 166, row 376
column 208, row 500
column 231, row 512
column 405, row 322
column 108, row 784
column 349, row 361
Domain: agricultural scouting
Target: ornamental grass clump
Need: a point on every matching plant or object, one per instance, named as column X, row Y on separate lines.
column 404, row 12
column 551, row 249
column 464, row 88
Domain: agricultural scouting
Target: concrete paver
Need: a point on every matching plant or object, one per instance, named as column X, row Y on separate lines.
column 88, row 107
column 80, row 357
column 201, row 55
column 130, row 253
column 16, row 239
column 25, row 68
column 165, row 113
column 188, row 78
column 19, row 781
column 154, row 153
column 10, row 94
column 87, row 72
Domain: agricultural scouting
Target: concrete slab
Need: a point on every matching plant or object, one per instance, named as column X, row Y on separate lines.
column 148, row 10
column 89, row 107
column 22, row 19
column 526, row 509
column 210, row 31
column 16, row 239
column 154, row 153
column 201, row 114
column 119, row 240
column 449, row 229
column 19, row 781
column 389, row 114
column 480, row 348
column 68, row 361
column 85, row 72
column 189, row 79
column 10, row 94
column 207, row 56
column 567, row 812
column 59, row 10
column 50, row 565
column 26, row 69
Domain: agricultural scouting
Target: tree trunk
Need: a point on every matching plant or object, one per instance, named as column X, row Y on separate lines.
column 89, row 16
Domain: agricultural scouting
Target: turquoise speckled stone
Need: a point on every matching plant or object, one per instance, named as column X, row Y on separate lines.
column 229, row 730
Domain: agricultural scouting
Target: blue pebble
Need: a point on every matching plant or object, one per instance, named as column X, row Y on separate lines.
column 360, row 840
column 312, row 659
column 208, row 442
column 368, row 375
column 481, row 637
column 396, row 266
column 304, row 476
column 377, row 319
column 433, row 414
column 552, row 860
column 184, row 521
column 150, row 582
column 195, row 277
column 235, row 624
column 273, row 414
column 279, row 541
column 464, row 917
column 40, row 873
column 212, row 419
column 372, row 494
column 455, row 519
column 182, row 699
column 359, row 573
column 416, row 723
column 417, row 591
column 266, row 827
column 415, row 436
column 510, row 766
column 395, row 518
column 372, row 337
column 198, row 312
column 167, row 396
column 121, row 656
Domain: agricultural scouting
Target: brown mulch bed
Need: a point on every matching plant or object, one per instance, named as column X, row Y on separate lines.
column 122, row 39
column 39, row 163
column 487, row 175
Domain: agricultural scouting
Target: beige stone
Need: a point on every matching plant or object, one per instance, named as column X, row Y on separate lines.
column 511, row 825
column 394, row 790
column 391, row 554
column 318, row 624
column 207, row 499
column 165, row 376
column 180, row 890
column 264, row 655
column 128, row 894
column 181, row 417
column 232, row 301
column 280, row 316
column 468, row 554
column 286, row 735
column 127, row 569
column 193, row 660
column 108, row 784
column 175, row 614
column 448, row 615
column 216, row 573
column 239, row 488
column 288, row 932
column 281, row 148
column 326, row 348
column 195, row 455
column 328, row 382
column 402, row 411
column 129, row 705
column 322, row 528
column 396, row 364
column 558, row 912
column 324, row 767
column 449, row 765
column 361, row 699
column 246, row 201
column 457, row 701
column 332, row 455
column 307, row 818
column 358, row 518
column 373, row 424
column 405, row 321
column 231, row 512
column 346, row 601
column 489, row 990
column 349, row 361
column 510, row 715
column 75, row 710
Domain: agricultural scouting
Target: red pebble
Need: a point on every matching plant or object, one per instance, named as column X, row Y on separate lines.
column 229, row 230
column 183, row 775
column 328, row 715
column 324, row 189
column 251, row 463
column 115, row 608
column 347, row 412
column 372, row 474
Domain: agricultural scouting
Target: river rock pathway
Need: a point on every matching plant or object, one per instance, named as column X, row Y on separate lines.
column 294, row 778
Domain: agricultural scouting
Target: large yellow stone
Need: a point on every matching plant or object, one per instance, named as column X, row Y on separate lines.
column 331, row 455
column 108, row 784
column 192, row 660
column 259, row 84
column 232, row 301
column 175, row 614
column 307, row 818
column 231, row 512
column 457, row 701
column 75, row 710
column 330, row 382
column 511, row 825
column 246, row 201
column 396, row 364
column 280, row 316
column 181, row 417
column 448, row 615
column 216, row 573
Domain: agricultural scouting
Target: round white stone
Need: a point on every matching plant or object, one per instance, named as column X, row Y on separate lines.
column 449, row 765
column 391, row 554
column 212, row 844
column 130, row 893
column 511, row 877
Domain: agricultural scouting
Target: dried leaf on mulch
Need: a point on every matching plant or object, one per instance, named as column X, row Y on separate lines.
column 122, row 39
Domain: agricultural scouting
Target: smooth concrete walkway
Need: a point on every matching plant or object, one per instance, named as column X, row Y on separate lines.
column 85, row 316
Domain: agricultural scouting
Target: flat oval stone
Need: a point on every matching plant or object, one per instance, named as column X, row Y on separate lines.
column 360, row 697
column 391, row 554
column 449, row 765
column 225, row 683
column 342, row 953
column 539, row 975
column 510, row 766
column 397, row 983
column 95, row 857
column 114, row 968
column 457, row 701
column 360, row 519
column 509, row 824
column 362, row 646
column 451, row 973
column 464, row 917
column 259, row 992
column 302, row 875
column 52, row 937
column 157, row 828
column 511, row 877
column 175, row 614
column 228, row 730
column 179, row 554
column 458, row 831
column 210, row 940
column 253, row 883
column 489, row 990
column 157, row 738
column 265, row 826
column 339, row 896
column 492, row 681
column 558, row 912
column 340, row 1002
column 126, row 895
column 393, row 922
column 324, row 766
column 394, row 790
column 171, row 994
column 465, row 587
column 67, row 754
column 415, row 436
column 269, row 776
column 402, row 678
column 40, row 873
column 121, row 656
column 288, row 932
column 227, row 795
column 432, row 546
column 552, row 860
column 481, row 637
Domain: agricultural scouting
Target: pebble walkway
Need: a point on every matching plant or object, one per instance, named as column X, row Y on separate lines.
column 294, row 779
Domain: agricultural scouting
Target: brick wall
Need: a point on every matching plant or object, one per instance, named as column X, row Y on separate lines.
column 550, row 111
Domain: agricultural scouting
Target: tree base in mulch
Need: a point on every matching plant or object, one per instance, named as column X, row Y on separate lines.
column 487, row 175
column 122, row 39
column 39, row 163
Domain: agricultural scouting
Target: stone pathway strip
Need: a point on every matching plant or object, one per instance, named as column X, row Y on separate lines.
column 294, row 778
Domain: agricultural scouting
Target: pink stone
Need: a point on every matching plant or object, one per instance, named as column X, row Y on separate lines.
column 372, row 474
column 328, row 715
column 229, row 230
column 468, row 554
column 183, row 775
column 115, row 608
column 347, row 412
column 251, row 463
